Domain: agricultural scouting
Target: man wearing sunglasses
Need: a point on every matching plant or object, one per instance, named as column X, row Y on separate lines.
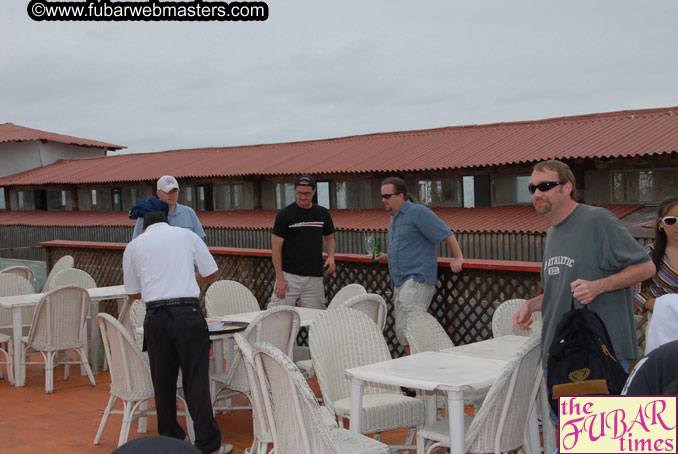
column 297, row 248
column 413, row 236
column 590, row 255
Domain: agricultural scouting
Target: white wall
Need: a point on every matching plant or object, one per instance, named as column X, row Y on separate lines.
column 18, row 157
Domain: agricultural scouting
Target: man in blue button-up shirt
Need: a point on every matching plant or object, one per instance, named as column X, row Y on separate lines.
column 414, row 233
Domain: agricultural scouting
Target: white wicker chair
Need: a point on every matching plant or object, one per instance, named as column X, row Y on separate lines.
column 58, row 326
column 278, row 326
column 502, row 320
column 501, row 423
column 345, row 293
column 371, row 305
column 70, row 276
column 261, row 430
column 8, row 351
column 425, row 334
column 342, row 338
column 293, row 413
column 130, row 380
column 63, row 263
column 22, row 271
column 227, row 297
column 10, row 285
column 132, row 317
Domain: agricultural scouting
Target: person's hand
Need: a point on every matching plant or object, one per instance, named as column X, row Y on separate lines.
column 522, row 318
column 456, row 264
column 585, row 291
column 281, row 287
column 381, row 256
column 329, row 265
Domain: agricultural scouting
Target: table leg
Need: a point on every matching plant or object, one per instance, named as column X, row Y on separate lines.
column 356, row 404
column 455, row 405
column 94, row 331
column 431, row 408
column 17, row 323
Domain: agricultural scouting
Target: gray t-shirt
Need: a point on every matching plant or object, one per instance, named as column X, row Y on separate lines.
column 591, row 243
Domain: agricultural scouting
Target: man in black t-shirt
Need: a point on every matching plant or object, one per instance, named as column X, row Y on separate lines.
column 297, row 244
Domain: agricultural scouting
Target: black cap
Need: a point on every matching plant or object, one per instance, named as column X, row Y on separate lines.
column 305, row 180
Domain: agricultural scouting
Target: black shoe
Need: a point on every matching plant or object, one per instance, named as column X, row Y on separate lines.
column 408, row 392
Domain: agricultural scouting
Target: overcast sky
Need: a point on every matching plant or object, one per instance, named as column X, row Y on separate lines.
column 320, row 69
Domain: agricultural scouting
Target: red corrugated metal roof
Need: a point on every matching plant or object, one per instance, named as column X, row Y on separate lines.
column 491, row 219
column 614, row 134
column 10, row 132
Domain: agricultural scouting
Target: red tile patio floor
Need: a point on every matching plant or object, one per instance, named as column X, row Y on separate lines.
column 67, row 420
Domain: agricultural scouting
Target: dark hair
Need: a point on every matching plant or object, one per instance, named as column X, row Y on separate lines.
column 153, row 218
column 564, row 173
column 671, row 389
column 399, row 187
column 157, row 444
column 660, row 235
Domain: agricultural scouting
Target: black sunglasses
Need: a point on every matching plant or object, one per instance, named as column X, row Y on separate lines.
column 387, row 196
column 669, row 220
column 543, row 186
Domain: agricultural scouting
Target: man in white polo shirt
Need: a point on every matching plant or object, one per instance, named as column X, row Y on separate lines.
column 179, row 215
column 160, row 268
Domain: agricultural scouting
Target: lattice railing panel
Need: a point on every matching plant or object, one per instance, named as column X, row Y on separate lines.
column 464, row 302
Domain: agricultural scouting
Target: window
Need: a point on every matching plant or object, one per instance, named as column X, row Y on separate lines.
column 352, row 194
column 22, row 200
column 324, row 194
column 58, row 200
column 236, row 196
column 187, row 196
column 94, row 199
column 511, row 190
column 2, row 199
column 131, row 195
column 635, row 186
column 284, row 194
column 443, row 192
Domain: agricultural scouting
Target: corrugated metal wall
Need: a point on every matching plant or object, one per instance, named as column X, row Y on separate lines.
column 491, row 246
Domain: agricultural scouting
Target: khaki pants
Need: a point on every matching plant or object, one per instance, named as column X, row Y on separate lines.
column 308, row 291
column 411, row 296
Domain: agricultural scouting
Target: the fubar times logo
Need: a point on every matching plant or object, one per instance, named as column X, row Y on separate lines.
column 617, row 424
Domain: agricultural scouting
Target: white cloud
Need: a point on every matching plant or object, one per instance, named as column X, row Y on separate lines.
column 320, row 69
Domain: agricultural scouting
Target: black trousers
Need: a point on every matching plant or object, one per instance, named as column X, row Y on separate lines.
column 178, row 337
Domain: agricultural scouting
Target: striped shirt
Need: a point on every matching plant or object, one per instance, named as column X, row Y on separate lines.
column 662, row 283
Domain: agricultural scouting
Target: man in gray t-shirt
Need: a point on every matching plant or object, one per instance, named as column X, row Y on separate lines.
column 589, row 255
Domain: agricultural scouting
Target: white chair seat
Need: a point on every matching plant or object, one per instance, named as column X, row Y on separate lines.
column 384, row 411
column 440, row 430
column 351, row 442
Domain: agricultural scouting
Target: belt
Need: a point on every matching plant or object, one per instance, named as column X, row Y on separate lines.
column 173, row 302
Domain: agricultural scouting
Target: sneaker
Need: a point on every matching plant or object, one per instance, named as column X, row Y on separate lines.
column 224, row 449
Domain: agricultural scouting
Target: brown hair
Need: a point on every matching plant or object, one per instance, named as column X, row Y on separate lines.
column 399, row 187
column 660, row 235
column 564, row 173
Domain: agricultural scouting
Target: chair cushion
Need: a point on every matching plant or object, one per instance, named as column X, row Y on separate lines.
column 347, row 441
column 440, row 430
column 385, row 411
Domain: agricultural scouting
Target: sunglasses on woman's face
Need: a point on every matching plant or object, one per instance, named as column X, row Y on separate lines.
column 669, row 220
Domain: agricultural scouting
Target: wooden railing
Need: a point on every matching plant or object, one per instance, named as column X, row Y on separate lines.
column 464, row 302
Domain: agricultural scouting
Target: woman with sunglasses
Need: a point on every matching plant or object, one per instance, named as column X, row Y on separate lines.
column 664, row 253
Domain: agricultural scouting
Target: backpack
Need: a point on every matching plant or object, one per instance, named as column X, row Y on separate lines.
column 581, row 359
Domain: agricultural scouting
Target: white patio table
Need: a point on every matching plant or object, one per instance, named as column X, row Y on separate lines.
column 15, row 303
column 454, row 370
column 306, row 317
